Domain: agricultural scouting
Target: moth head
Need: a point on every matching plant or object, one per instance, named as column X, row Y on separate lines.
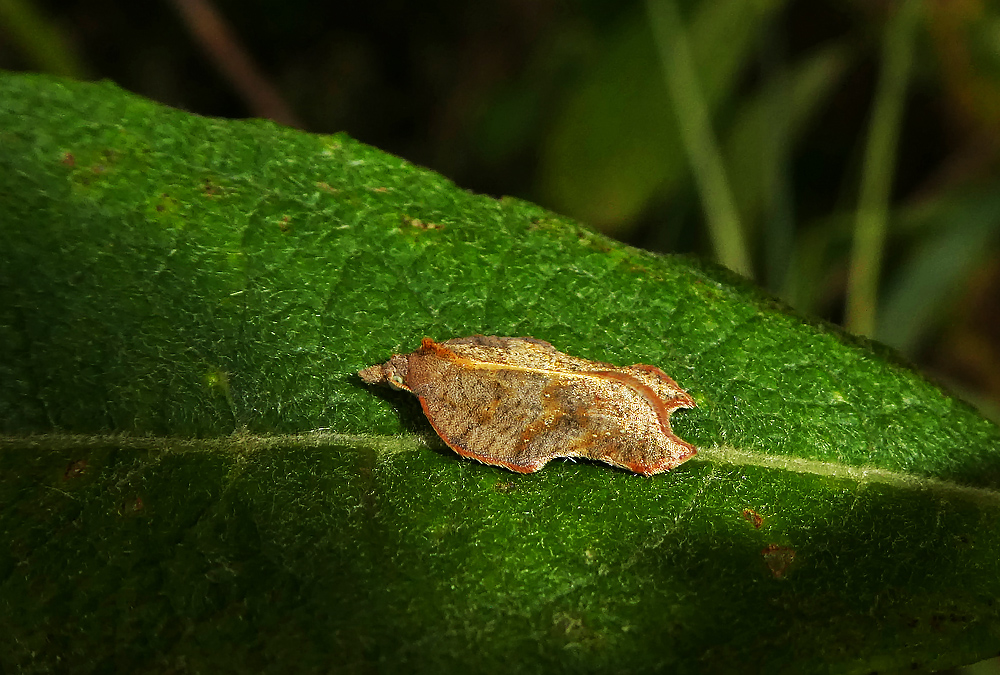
column 395, row 371
column 392, row 373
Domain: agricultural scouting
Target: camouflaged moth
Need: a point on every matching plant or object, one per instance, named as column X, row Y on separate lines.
column 518, row 402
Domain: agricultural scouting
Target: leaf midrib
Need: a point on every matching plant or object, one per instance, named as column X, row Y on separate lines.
column 722, row 454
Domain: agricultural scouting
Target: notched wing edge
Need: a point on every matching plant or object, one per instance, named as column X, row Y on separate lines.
column 664, row 408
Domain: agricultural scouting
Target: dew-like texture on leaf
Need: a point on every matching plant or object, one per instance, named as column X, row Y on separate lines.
column 191, row 470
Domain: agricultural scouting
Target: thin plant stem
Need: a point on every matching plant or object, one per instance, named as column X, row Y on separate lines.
column 879, row 167
column 779, row 211
column 223, row 47
column 698, row 139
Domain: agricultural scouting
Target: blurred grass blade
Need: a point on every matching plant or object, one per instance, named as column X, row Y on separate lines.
column 779, row 201
column 879, row 168
column 820, row 248
column 960, row 237
column 614, row 145
column 41, row 42
column 760, row 138
column 694, row 120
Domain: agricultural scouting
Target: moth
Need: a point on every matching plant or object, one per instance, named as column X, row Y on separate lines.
column 517, row 402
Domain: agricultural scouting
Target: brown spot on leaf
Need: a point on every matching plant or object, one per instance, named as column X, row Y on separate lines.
column 285, row 224
column 778, row 559
column 75, row 469
column 210, row 188
column 753, row 518
column 418, row 224
column 68, row 159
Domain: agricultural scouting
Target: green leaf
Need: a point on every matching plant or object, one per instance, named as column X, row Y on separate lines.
column 192, row 477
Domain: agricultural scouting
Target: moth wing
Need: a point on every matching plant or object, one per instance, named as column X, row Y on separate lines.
column 482, row 413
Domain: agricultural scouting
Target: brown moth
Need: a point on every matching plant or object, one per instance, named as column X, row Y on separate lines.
column 517, row 403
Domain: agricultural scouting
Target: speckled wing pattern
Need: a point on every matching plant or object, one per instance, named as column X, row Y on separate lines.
column 518, row 402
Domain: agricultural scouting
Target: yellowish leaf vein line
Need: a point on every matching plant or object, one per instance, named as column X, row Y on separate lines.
column 244, row 442
column 862, row 475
